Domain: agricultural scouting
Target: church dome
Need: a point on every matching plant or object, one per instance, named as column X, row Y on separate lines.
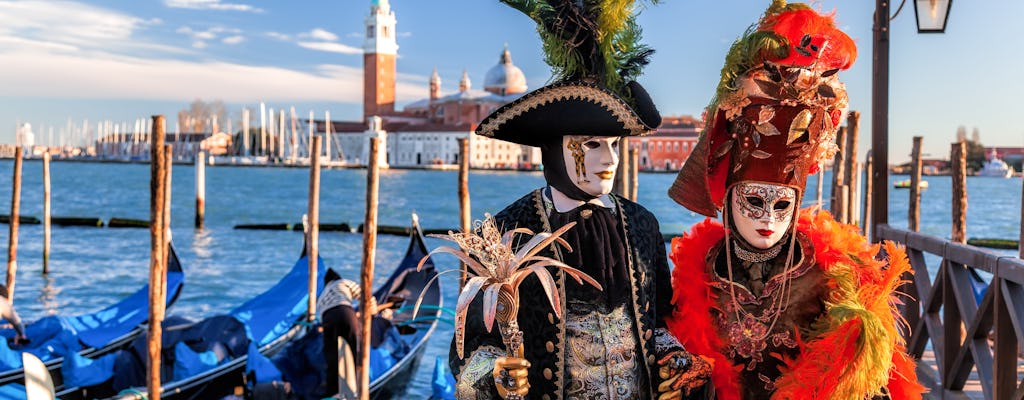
column 505, row 78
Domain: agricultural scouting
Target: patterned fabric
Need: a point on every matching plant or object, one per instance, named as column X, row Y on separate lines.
column 600, row 361
column 476, row 381
column 341, row 292
column 544, row 338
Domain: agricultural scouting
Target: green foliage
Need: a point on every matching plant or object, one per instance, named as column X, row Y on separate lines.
column 976, row 156
column 589, row 39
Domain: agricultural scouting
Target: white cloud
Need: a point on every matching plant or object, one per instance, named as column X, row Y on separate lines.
column 200, row 38
column 320, row 34
column 36, row 72
column 331, row 47
column 211, row 5
column 279, row 36
column 208, row 35
column 66, row 23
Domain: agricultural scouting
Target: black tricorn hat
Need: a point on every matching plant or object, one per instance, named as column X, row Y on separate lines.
column 572, row 108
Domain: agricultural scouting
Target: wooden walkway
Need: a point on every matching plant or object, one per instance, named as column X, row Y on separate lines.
column 926, row 369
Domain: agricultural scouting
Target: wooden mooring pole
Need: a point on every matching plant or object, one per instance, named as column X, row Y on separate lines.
column 958, row 159
column 621, row 184
column 46, row 212
column 634, row 169
column 369, row 250
column 313, row 220
column 465, row 214
column 12, row 238
column 200, row 189
column 838, row 177
column 868, row 183
column 157, row 255
column 821, row 182
column 850, row 169
column 914, row 210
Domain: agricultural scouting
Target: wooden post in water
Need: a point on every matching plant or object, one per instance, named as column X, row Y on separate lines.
column 838, row 176
column 313, row 241
column 853, row 207
column 157, row 255
column 369, row 250
column 850, row 151
column 1020, row 243
column 868, row 183
column 634, row 173
column 465, row 214
column 12, row 238
column 621, row 185
column 958, row 158
column 200, row 189
column 821, row 183
column 46, row 212
column 914, row 210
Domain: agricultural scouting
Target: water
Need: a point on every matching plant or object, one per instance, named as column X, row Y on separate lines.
column 91, row 268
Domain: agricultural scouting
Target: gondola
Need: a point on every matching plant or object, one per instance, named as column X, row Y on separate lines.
column 207, row 359
column 393, row 362
column 89, row 335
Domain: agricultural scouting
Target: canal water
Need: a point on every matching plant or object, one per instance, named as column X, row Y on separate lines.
column 91, row 268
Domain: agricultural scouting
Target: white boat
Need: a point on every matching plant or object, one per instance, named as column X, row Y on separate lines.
column 996, row 167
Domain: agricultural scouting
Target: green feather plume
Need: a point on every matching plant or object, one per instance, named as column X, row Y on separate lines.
column 589, row 39
column 751, row 49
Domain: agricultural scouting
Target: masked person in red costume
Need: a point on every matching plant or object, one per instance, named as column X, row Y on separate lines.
column 789, row 303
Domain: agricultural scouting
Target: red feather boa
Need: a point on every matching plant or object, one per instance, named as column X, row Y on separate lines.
column 834, row 244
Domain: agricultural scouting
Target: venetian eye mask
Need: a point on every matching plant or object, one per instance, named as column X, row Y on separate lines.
column 591, row 161
column 762, row 212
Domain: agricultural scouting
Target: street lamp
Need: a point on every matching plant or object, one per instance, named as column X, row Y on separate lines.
column 932, row 15
column 931, row 18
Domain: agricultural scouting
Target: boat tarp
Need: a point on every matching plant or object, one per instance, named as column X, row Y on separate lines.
column 99, row 328
column 188, row 349
column 56, row 336
column 302, row 362
column 274, row 312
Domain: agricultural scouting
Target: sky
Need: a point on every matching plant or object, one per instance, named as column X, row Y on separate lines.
column 115, row 60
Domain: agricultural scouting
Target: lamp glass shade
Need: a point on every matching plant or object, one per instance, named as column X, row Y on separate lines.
column 932, row 15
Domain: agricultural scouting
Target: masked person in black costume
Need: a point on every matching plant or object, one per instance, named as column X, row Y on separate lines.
column 610, row 343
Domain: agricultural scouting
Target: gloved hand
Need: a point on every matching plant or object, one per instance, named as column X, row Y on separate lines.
column 510, row 377
column 681, row 373
column 21, row 340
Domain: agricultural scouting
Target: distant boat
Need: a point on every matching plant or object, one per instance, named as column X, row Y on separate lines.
column 905, row 184
column 996, row 167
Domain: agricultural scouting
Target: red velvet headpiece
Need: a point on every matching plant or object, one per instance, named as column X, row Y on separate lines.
column 777, row 110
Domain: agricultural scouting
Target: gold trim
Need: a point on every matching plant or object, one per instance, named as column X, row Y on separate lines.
column 542, row 212
column 639, row 327
column 550, row 94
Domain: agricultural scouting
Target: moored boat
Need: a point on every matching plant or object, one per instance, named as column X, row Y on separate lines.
column 208, row 359
column 53, row 338
column 905, row 184
column 402, row 345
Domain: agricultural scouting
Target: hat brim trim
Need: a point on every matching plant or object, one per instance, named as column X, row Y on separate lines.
column 576, row 91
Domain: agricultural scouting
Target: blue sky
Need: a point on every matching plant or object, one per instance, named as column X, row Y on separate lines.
column 120, row 60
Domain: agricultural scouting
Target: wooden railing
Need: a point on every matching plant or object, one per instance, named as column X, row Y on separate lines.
column 966, row 334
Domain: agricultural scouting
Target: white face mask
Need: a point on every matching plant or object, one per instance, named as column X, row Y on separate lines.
column 591, row 162
column 762, row 212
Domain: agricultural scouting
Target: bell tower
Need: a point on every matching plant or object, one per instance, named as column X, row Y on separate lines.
column 379, row 52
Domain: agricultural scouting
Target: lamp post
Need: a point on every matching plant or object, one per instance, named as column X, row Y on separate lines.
column 931, row 18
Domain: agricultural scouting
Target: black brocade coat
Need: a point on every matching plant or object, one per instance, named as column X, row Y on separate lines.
column 543, row 331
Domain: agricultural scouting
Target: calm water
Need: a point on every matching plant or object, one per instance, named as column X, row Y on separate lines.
column 91, row 267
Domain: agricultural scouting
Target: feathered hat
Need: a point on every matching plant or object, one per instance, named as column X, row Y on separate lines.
column 592, row 45
column 778, row 106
